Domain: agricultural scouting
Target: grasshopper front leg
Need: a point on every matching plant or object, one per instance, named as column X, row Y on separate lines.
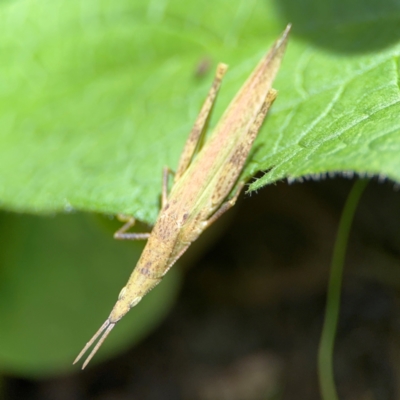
column 122, row 233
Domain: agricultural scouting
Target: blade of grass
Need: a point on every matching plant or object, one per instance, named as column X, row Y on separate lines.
column 325, row 352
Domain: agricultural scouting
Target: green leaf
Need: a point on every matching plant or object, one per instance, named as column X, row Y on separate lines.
column 337, row 114
column 59, row 278
column 97, row 96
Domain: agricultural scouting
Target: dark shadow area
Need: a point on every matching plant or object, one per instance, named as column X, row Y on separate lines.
column 346, row 26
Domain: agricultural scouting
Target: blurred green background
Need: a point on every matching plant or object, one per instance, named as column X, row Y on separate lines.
column 60, row 277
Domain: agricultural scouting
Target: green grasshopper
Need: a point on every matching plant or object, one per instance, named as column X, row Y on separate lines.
column 206, row 176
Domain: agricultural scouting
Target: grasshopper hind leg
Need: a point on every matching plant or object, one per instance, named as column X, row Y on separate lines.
column 241, row 152
column 196, row 136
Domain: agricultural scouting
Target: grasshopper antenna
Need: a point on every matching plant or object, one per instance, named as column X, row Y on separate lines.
column 104, row 331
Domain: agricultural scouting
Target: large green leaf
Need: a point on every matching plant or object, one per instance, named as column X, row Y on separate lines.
column 96, row 96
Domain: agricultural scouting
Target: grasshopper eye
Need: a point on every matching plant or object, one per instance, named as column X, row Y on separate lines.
column 134, row 302
column 121, row 293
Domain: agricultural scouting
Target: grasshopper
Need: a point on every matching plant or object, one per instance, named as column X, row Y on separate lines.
column 206, row 175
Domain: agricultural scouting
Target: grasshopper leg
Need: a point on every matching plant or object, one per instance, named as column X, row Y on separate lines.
column 226, row 205
column 195, row 139
column 164, row 194
column 251, row 136
column 122, row 233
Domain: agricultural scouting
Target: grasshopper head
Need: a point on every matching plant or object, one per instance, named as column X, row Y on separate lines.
column 122, row 306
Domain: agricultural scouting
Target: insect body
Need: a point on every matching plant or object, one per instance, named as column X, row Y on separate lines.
column 203, row 181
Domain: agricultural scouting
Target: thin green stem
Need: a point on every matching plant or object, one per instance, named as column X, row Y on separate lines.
column 325, row 353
